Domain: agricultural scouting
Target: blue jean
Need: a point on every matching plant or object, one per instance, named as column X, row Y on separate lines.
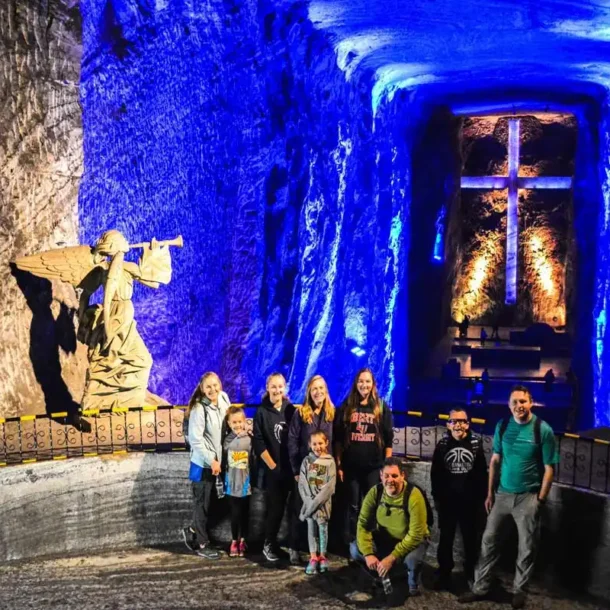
column 412, row 562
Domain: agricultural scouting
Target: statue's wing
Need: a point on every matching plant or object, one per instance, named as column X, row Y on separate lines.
column 70, row 265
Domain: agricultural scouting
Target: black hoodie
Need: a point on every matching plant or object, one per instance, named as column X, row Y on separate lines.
column 271, row 434
column 363, row 442
column 459, row 470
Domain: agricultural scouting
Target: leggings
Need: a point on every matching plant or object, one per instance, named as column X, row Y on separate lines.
column 239, row 516
column 358, row 483
column 317, row 537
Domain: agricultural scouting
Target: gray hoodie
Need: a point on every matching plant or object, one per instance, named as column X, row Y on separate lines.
column 317, row 481
column 205, row 431
column 238, row 452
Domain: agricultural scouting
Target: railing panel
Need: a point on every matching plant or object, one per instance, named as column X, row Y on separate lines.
column 583, row 462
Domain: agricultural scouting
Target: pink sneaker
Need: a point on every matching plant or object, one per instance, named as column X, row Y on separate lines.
column 323, row 564
column 243, row 547
column 234, row 550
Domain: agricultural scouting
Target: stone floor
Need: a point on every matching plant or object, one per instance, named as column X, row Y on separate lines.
column 168, row 579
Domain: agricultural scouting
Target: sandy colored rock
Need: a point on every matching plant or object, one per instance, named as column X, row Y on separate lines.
column 40, row 167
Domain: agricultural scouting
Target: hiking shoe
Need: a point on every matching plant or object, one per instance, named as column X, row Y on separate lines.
column 269, row 552
column 207, row 552
column 190, row 539
column 294, row 557
column 312, row 567
column 243, row 547
column 518, row 600
column 468, row 598
column 323, row 565
column 234, row 550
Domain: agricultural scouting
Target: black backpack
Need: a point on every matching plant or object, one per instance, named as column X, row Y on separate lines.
column 409, row 488
column 537, row 437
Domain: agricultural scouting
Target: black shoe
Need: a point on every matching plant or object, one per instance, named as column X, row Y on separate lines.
column 518, row 600
column 442, row 582
column 207, row 552
column 395, row 599
column 468, row 598
column 269, row 552
column 190, row 539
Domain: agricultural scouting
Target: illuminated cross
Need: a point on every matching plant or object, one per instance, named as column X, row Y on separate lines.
column 513, row 183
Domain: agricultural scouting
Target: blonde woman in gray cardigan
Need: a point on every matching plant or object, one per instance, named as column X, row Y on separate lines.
column 317, row 479
column 206, row 414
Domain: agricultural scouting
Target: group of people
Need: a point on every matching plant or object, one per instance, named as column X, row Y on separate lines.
column 300, row 452
column 295, row 454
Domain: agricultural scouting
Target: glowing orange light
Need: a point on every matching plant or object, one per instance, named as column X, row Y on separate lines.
column 542, row 266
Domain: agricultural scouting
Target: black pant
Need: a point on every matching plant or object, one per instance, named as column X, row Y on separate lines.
column 297, row 527
column 358, row 484
column 240, row 509
column 278, row 489
column 202, row 494
column 450, row 515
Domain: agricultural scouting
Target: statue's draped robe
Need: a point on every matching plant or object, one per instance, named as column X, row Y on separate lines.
column 119, row 362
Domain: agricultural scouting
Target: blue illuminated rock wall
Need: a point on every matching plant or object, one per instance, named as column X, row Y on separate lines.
column 231, row 125
column 601, row 332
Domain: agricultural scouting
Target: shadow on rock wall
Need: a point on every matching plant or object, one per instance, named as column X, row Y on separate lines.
column 49, row 334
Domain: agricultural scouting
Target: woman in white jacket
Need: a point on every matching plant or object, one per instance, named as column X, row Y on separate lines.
column 206, row 413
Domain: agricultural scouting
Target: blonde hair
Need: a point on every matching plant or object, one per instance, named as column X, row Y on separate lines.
column 308, row 407
column 198, row 394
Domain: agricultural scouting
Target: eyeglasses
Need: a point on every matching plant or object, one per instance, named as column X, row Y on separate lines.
column 453, row 422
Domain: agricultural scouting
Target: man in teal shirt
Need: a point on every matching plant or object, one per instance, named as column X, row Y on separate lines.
column 525, row 453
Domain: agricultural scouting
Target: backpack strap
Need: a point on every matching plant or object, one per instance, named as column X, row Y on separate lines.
column 378, row 495
column 538, row 441
column 503, row 427
column 406, row 496
column 537, row 434
column 475, row 443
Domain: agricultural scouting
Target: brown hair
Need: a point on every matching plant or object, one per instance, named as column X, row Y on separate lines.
column 308, row 407
column 198, row 394
column 318, row 433
column 234, row 411
column 521, row 388
column 269, row 378
column 353, row 403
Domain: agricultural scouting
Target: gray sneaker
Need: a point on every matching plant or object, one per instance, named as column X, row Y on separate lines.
column 269, row 552
column 295, row 557
column 207, row 552
column 190, row 539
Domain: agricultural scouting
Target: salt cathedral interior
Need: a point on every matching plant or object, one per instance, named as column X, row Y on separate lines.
column 421, row 188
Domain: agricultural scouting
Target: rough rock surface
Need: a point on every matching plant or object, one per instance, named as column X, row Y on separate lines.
column 159, row 579
column 112, row 503
column 232, row 124
column 248, row 127
column 40, row 169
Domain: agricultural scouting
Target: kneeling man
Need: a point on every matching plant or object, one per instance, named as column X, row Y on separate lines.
column 392, row 527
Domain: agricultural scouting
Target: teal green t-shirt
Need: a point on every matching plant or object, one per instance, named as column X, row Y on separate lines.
column 521, row 471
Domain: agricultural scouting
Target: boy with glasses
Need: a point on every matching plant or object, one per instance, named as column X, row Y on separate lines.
column 459, row 487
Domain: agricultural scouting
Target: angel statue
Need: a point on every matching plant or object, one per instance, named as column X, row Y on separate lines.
column 119, row 363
